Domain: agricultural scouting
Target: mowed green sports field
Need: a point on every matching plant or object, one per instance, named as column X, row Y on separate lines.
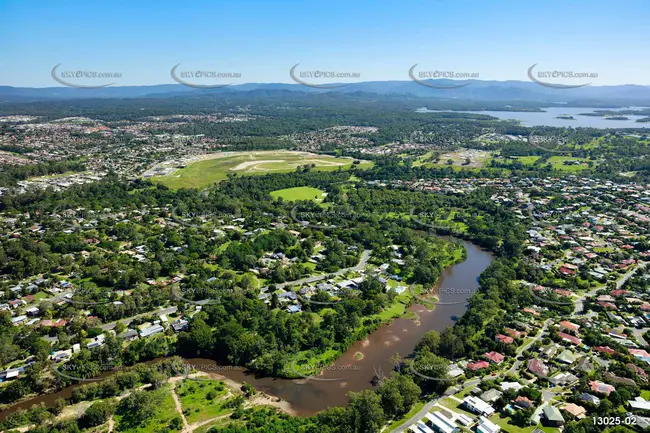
column 300, row 193
column 216, row 167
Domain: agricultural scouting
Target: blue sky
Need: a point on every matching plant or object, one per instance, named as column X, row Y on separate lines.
column 378, row 39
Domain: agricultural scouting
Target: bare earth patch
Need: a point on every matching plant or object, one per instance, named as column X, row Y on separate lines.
column 245, row 165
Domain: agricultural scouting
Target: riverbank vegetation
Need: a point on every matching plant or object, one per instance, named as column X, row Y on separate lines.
column 241, row 329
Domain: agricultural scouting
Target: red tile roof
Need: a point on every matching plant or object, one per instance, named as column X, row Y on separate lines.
column 504, row 339
column 601, row 387
column 495, row 357
column 477, row 365
column 537, row 367
column 605, row 349
column 568, row 325
column 569, row 338
column 514, row 333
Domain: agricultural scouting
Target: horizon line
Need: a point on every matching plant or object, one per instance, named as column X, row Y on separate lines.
column 323, row 84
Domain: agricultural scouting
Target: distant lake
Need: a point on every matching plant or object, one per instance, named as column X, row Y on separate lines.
column 549, row 117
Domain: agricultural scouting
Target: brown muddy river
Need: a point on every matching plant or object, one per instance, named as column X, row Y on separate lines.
column 309, row 396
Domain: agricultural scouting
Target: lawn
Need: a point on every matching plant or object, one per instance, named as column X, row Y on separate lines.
column 216, row 167
column 165, row 412
column 443, row 218
column 505, row 425
column 477, row 158
column 464, row 393
column 299, row 193
column 415, row 409
column 557, row 162
column 222, row 422
column 310, row 366
column 40, row 295
column 455, row 406
column 202, row 399
column 525, row 160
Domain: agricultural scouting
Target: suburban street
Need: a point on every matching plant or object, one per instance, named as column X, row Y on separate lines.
column 619, row 284
column 126, row 321
column 362, row 264
column 525, row 347
column 546, row 393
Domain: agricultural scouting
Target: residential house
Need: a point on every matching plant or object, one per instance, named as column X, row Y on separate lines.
column 574, row 411
column 510, row 385
column 491, row 395
column 639, row 403
column 32, row 311
column 611, row 377
column 514, row 333
column 287, row 296
column 537, row 367
column 570, row 338
column 97, row 342
column 53, row 323
column 563, row 379
column 180, row 325
column 494, row 357
column 418, row 427
column 605, row 349
column 589, row 398
column 639, row 353
column 151, row 330
column 486, row 426
column 18, row 320
column 600, row 387
column 523, row 402
column 566, row 357
column 504, row 339
column 565, row 325
column 638, row 371
column 11, row 373
column 61, row 355
column 440, row 423
column 129, row 335
column 584, row 365
column 478, row 406
column 553, row 416
column 477, row 365
column 549, row 351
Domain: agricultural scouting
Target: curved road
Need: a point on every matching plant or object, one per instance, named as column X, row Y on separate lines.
column 619, row 284
column 547, row 394
column 362, row 264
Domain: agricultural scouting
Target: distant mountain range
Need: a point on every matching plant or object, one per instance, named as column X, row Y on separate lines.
column 477, row 90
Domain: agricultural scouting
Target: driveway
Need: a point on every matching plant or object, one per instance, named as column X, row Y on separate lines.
column 362, row 264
